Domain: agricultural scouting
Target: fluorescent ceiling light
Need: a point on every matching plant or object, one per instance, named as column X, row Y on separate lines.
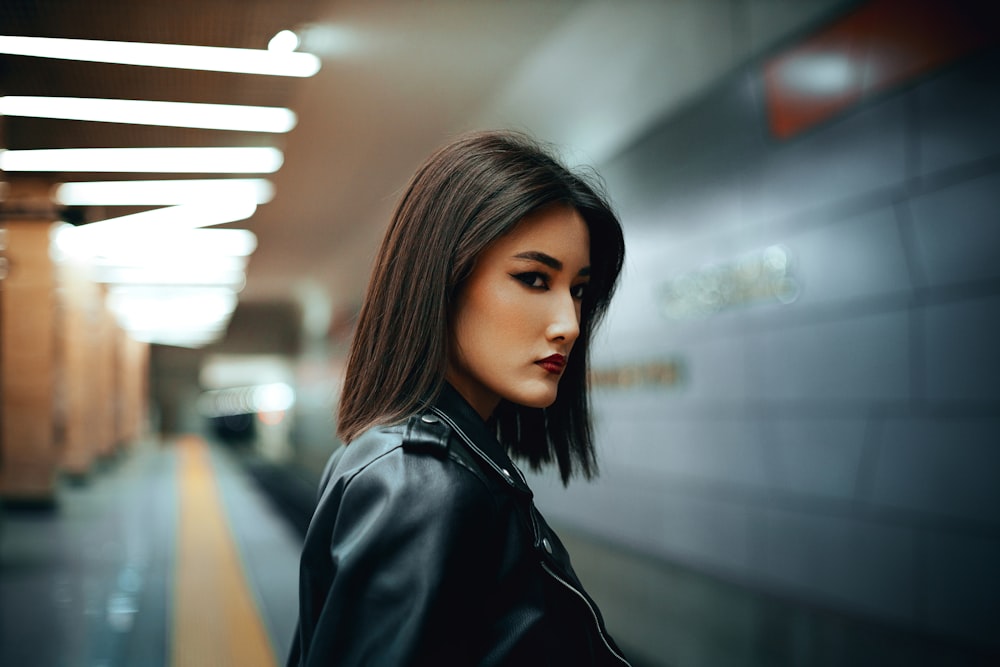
column 172, row 315
column 123, row 294
column 181, row 337
column 153, row 247
column 147, row 112
column 180, row 56
column 174, row 218
column 156, row 160
column 165, row 317
column 172, row 275
column 196, row 244
column 208, row 308
column 142, row 230
column 285, row 41
column 163, row 193
column 191, row 243
column 173, row 263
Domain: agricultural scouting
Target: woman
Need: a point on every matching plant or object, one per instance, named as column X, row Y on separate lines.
column 471, row 345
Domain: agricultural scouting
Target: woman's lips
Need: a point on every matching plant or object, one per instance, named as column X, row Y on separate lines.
column 553, row 364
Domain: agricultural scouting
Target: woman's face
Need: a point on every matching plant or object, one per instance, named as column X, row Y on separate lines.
column 517, row 316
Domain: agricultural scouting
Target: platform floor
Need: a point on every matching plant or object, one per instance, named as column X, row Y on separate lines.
column 167, row 557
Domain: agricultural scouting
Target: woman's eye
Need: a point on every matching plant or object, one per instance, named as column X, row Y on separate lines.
column 578, row 291
column 533, row 279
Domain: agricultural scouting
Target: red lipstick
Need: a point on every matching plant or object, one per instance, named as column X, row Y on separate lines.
column 553, row 364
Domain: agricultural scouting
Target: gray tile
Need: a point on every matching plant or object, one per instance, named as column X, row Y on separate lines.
column 817, row 457
column 702, row 198
column 721, row 127
column 628, row 337
column 958, row 114
column 637, row 323
column 957, row 231
column 710, row 371
column 782, row 21
column 858, row 155
column 858, row 359
column 963, row 589
column 709, row 450
column 645, row 513
column 698, row 530
column 859, row 257
column 944, row 468
column 714, row 369
column 613, row 405
column 962, row 357
column 866, row 567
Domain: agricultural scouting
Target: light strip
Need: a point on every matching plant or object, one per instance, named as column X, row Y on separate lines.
column 122, row 293
column 178, row 56
column 172, row 275
column 172, row 218
column 154, row 160
column 162, row 193
column 152, row 246
column 285, row 41
column 199, row 306
column 147, row 112
column 178, row 263
column 191, row 243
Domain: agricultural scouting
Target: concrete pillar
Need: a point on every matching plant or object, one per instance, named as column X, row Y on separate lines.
column 104, row 373
column 72, row 384
column 82, row 304
column 31, row 418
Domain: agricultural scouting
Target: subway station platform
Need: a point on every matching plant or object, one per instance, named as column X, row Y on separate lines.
column 168, row 556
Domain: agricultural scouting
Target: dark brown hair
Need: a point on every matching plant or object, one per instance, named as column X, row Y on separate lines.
column 464, row 197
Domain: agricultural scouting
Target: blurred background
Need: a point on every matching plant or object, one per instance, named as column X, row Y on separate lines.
column 796, row 391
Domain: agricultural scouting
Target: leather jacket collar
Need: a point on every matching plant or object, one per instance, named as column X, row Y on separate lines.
column 454, row 410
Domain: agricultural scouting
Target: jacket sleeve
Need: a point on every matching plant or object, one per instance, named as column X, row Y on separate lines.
column 409, row 556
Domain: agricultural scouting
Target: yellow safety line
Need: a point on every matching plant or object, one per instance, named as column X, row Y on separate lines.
column 216, row 621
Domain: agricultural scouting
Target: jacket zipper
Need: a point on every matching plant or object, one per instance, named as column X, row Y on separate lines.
column 593, row 614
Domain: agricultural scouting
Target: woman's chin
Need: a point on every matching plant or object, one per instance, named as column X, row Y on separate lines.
column 542, row 398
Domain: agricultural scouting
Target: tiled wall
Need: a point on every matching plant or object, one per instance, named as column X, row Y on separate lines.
column 843, row 449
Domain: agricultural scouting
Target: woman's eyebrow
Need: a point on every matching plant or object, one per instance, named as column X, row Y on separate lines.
column 547, row 260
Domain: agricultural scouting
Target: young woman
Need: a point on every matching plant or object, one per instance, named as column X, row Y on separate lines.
column 471, row 347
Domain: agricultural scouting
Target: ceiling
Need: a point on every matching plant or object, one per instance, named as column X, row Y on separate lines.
column 398, row 79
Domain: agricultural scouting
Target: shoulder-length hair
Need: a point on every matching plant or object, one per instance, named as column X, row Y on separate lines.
column 464, row 197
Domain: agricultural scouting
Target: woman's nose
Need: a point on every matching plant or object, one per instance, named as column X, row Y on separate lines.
column 565, row 322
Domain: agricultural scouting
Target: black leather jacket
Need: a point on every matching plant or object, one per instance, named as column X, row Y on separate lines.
column 426, row 549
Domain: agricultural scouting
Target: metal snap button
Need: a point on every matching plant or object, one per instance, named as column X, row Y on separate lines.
column 429, row 419
column 547, row 545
